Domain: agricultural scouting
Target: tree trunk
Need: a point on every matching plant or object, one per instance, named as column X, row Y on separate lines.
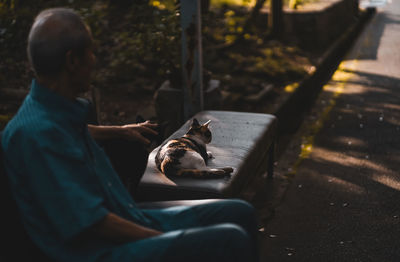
column 276, row 17
column 249, row 22
column 253, row 15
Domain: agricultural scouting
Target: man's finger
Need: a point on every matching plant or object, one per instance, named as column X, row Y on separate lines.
column 150, row 125
column 148, row 130
column 143, row 139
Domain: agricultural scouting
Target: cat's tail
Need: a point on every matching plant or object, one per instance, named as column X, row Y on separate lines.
column 170, row 169
column 205, row 173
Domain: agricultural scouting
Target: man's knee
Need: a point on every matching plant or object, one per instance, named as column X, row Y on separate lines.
column 241, row 206
column 233, row 233
column 223, row 242
column 233, row 241
column 226, row 235
column 243, row 214
column 239, row 209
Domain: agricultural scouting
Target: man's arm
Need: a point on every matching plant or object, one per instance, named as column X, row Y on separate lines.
column 121, row 230
column 131, row 132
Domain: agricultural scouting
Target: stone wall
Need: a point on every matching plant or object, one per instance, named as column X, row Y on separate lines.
column 316, row 26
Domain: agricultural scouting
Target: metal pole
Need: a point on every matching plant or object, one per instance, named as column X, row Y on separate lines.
column 192, row 62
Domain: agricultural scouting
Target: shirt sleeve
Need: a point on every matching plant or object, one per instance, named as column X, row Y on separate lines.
column 54, row 171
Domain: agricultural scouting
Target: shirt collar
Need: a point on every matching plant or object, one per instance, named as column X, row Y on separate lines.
column 74, row 110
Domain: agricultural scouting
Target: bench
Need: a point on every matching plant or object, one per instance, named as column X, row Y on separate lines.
column 244, row 141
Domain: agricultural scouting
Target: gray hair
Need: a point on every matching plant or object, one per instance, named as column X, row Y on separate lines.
column 55, row 32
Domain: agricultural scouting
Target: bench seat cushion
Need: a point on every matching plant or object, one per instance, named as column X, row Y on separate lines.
column 240, row 140
column 174, row 203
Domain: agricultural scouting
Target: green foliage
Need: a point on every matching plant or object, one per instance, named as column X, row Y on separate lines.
column 134, row 39
column 138, row 42
column 165, row 4
column 147, row 45
column 270, row 61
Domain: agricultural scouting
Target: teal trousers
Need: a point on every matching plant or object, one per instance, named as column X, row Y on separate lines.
column 220, row 231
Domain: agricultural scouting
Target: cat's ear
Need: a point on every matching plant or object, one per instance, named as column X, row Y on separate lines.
column 195, row 123
column 207, row 123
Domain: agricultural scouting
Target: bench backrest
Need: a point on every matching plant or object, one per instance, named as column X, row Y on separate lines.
column 16, row 244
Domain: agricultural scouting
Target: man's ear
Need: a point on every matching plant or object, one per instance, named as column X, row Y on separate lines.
column 195, row 123
column 71, row 61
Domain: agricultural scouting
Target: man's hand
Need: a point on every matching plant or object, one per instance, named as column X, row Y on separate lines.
column 141, row 132
column 120, row 230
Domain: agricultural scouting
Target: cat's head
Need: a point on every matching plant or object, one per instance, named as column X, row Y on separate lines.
column 201, row 132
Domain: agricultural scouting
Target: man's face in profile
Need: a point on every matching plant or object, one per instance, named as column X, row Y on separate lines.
column 84, row 69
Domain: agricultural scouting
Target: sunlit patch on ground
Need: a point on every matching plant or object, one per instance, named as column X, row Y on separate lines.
column 365, row 165
column 343, row 183
column 355, row 89
column 362, row 162
column 350, row 141
column 387, row 181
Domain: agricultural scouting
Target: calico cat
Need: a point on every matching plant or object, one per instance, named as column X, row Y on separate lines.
column 187, row 156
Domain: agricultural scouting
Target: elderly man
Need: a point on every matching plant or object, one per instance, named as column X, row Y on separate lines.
column 73, row 205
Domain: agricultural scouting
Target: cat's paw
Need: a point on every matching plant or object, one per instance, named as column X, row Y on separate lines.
column 218, row 172
column 227, row 170
column 210, row 155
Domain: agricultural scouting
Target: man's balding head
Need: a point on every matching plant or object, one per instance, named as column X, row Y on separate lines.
column 54, row 33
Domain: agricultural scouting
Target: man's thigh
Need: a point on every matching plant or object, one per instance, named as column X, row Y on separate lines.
column 233, row 211
column 222, row 242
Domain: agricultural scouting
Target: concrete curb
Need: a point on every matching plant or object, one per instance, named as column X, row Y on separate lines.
column 289, row 111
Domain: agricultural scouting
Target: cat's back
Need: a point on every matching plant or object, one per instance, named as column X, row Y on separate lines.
column 176, row 149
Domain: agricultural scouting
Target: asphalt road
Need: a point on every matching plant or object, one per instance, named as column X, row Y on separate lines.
column 343, row 201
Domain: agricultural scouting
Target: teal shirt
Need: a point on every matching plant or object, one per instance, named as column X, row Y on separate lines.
column 61, row 179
